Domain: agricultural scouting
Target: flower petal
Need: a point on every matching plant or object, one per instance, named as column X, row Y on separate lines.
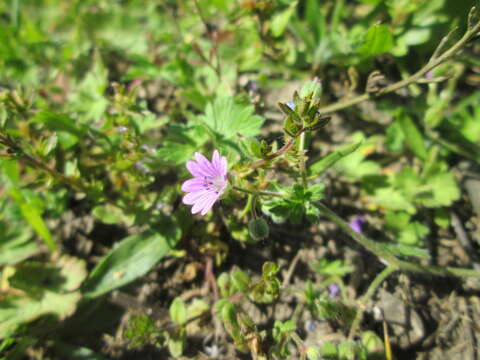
column 205, row 165
column 208, row 205
column 223, row 166
column 203, row 201
column 194, row 168
column 193, row 197
column 193, row 185
column 216, row 162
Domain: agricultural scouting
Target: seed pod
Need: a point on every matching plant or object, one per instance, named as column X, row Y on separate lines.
column 258, row 229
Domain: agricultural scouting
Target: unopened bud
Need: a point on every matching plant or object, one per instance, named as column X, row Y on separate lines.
column 258, row 229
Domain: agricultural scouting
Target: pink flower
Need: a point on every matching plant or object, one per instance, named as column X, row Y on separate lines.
column 208, row 183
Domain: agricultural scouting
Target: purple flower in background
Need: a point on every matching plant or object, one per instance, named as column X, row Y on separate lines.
column 311, row 325
column 291, row 105
column 357, row 223
column 208, row 183
column 333, row 290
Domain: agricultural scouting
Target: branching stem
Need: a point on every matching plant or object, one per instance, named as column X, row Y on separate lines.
column 389, row 257
column 367, row 296
column 434, row 61
column 258, row 192
column 37, row 163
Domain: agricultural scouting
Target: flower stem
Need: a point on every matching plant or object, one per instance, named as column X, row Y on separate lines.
column 388, row 256
column 434, row 61
column 35, row 162
column 300, row 345
column 380, row 251
column 370, row 291
column 303, row 170
column 247, row 207
column 285, row 148
column 258, row 192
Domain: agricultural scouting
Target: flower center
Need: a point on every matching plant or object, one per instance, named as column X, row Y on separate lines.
column 215, row 183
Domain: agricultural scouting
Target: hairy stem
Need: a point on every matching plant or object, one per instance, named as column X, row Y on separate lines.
column 367, row 296
column 434, row 61
column 389, row 257
column 37, row 163
column 257, row 192
column 303, row 170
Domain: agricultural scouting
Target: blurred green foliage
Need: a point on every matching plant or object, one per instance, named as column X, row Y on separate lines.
column 102, row 103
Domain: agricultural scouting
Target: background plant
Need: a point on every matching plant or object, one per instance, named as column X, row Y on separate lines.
column 102, row 103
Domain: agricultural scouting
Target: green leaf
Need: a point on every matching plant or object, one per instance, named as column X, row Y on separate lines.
column 315, row 192
column 395, row 137
column 310, row 89
column 355, row 166
column 33, row 216
column 59, row 122
column 372, row 343
column 441, row 218
column 313, row 353
column 331, row 267
column 278, row 210
column 141, row 330
column 378, row 40
column 175, row 152
column 58, row 296
column 269, row 269
column 406, row 232
column 393, row 199
column 240, row 280
column 347, row 350
column 408, row 250
column 322, row 165
column 88, row 98
column 10, row 168
column 280, row 21
column 176, row 344
column 444, row 190
column 371, row 2
column 178, row 311
column 284, row 327
column 180, row 144
column 397, row 220
column 73, row 352
column 227, row 118
column 110, row 214
column 416, row 36
column 228, row 313
column 311, row 212
column 413, row 137
column 16, row 243
column 329, row 351
column 409, row 183
column 132, row 258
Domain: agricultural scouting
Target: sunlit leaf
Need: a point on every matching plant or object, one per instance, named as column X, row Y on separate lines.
column 16, row 243
column 34, row 218
column 59, row 296
column 280, row 20
column 132, row 258
column 378, row 40
column 323, row 164
column 413, row 137
column 227, row 118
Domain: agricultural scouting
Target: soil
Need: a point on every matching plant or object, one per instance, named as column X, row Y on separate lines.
column 424, row 317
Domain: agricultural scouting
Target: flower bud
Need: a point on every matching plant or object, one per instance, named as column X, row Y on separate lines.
column 258, row 229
